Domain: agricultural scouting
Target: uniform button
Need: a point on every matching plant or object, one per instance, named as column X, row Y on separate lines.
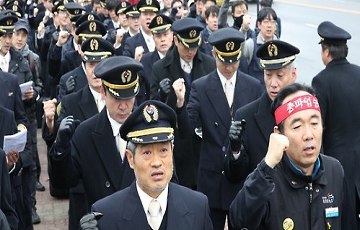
column 223, row 148
column 107, row 184
column 223, row 172
column 216, row 124
column 317, row 190
column 306, row 188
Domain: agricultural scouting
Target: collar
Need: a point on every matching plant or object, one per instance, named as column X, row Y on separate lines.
column 75, row 44
column 298, row 170
column 182, row 63
column 115, row 126
column 116, row 24
column 131, row 34
column 146, row 37
column 94, row 93
column 161, row 55
column 7, row 57
column 146, row 199
column 260, row 40
column 223, row 79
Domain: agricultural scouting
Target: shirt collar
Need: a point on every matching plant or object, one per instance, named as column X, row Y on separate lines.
column 146, row 199
column 160, row 55
column 223, row 79
column 182, row 63
column 146, row 37
column 94, row 93
column 115, row 126
column 75, row 44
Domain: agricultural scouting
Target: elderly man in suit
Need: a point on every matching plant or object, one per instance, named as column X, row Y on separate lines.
column 213, row 98
column 277, row 59
column 152, row 201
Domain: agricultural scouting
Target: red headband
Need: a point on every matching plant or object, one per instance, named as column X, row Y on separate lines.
column 295, row 105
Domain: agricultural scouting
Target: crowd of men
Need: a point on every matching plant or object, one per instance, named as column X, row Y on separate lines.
column 161, row 115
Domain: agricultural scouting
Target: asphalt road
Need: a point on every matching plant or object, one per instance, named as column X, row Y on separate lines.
column 300, row 19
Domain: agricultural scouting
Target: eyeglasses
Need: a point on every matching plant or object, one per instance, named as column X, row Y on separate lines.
column 269, row 22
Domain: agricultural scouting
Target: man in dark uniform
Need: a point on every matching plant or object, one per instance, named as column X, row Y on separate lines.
column 160, row 27
column 294, row 186
column 183, row 60
column 97, row 153
column 75, row 79
column 152, row 202
column 82, row 105
column 142, row 42
column 337, row 87
column 213, row 98
column 277, row 60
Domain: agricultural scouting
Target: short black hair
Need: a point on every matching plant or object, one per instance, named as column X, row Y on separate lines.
column 112, row 4
column 212, row 10
column 288, row 90
column 204, row 1
column 264, row 13
column 174, row 1
column 266, row 3
column 238, row 3
column 337, row 51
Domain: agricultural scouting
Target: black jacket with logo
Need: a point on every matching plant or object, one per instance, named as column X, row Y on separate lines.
column 282, row 198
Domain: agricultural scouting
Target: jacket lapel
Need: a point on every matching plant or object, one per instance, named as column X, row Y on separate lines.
column 264, row 119
column 106, row 148
column 133, row 216
column 87, row 103
column 179, row 216
column 217, row 98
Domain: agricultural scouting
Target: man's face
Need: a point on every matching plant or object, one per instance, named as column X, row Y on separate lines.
column 134, row 24
column 185, row 53
column 123, row 20
column 240, row 10
column 113, row 16
column 212, row 22
column 63, row 18
column 179, row 7
column 48, row 5
column 145, row 19
column 199, row 7
column 205, row 7
column 19, row 39
column 6, row 41
column 277, row 79
column 153, row 166
column 267, row 28
column 93, row 81
column 163, row 41
column 97, row 7
column 304, row 131
column 167, row 4
column 119, row 109
column 227, row 69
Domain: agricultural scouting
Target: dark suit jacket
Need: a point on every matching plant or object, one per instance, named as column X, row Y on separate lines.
column 80, row 81
column 7, row 127
column 94, row 158
column 339, row 96
column 59, row 66
column 148, row 61
column 10, row 96
column 186, row 209
column 186, row 151
column 259, row 125
column 208, row 107
column 132, row 42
